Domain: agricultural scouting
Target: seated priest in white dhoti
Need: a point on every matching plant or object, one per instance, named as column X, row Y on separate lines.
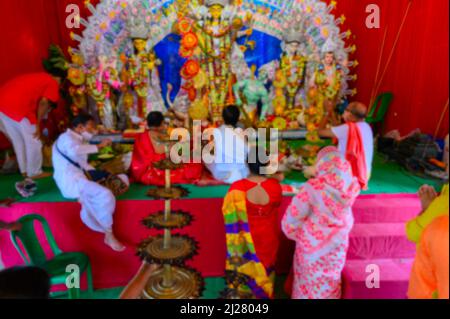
column 229, row 163
column 77, row 179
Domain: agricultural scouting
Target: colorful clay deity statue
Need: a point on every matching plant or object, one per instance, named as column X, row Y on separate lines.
column 142, row 72
column 292, row 69
column 327, row 81
column 248, row 94
column 100, row 84
column 209, row 43
column 76, row 74
column 287, row 77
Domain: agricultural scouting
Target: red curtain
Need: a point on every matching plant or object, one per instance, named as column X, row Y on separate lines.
column 417, row 75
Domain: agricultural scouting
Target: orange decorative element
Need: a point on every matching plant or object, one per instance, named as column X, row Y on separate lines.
column 123, row 58
column 190, row 69
column 311, row 127
column 184, row 26
column 128, row 100
column 312, row 94
column 185, row 53
column 191, row 91
column 279, row 123
column 189, row 41
column 312, row 111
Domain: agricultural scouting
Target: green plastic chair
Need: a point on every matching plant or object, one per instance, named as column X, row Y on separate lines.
column 55, row 267
column 379, row 109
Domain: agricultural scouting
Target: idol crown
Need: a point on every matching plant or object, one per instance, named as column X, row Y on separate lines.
column 139, row 31
column 293, row 36
column 222, row 3
column 329, row 46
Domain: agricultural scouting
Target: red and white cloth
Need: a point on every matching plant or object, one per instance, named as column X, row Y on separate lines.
column 319, row 220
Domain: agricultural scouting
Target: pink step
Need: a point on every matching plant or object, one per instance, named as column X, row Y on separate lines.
column 380, row 241
column 386, row 208
column 394, row 279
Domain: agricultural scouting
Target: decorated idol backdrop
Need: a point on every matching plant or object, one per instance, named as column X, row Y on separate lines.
column 283, row 62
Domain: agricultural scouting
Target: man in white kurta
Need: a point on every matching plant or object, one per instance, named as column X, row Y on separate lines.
column 229, row 164
column 98, row 202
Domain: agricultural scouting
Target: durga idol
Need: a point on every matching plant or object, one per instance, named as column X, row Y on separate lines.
column 209, row 43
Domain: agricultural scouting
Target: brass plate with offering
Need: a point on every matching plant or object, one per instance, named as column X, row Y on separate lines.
column 173, row 193
column 177, row 219
column 178, row 250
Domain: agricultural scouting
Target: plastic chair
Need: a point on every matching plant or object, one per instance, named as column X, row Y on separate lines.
column 56, row 266
column 379, row 109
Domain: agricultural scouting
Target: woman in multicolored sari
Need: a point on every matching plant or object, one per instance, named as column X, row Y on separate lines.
column 250, row 211
column 319, row 220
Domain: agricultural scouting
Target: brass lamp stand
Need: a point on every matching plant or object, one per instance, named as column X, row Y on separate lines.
column 173, row 280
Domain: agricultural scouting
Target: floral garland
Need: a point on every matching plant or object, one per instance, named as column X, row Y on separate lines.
column 329, row 90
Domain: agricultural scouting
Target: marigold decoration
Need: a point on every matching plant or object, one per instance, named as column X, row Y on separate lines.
column 190, row 69
column 311, row 127
column 312, row 111
column 279, row 123
column 184, row 26
column 76, row 76
column 189, row 41
column 185, row 53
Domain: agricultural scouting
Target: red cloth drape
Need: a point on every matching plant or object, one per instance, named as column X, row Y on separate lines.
column 356, row 156
column 418, row 74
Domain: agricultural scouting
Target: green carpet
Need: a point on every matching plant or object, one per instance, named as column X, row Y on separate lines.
column 387, row 178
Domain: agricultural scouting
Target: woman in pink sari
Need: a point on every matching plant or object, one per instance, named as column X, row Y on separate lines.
column 319, row 220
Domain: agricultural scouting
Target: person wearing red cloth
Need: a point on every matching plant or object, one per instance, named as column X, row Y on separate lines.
column 250, row 211
column 264, row 196
column 355, row 139
column 24, row 102
column 148, row 150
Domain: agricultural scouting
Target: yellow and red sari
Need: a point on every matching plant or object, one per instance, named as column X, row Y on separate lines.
column 252, row 233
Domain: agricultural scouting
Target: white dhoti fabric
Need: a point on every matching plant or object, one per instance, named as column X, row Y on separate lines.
column 97, row 202
column 97, row 206
column 28, row 149
column 228, row 173
column 230, row 159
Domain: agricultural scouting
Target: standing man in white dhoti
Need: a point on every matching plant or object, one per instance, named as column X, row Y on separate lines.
column 70, row 162
column 24, row 102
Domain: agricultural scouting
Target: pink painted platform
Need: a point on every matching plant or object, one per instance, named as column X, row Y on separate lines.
column 394, row 279
column 378, row 235
column 379, row 239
